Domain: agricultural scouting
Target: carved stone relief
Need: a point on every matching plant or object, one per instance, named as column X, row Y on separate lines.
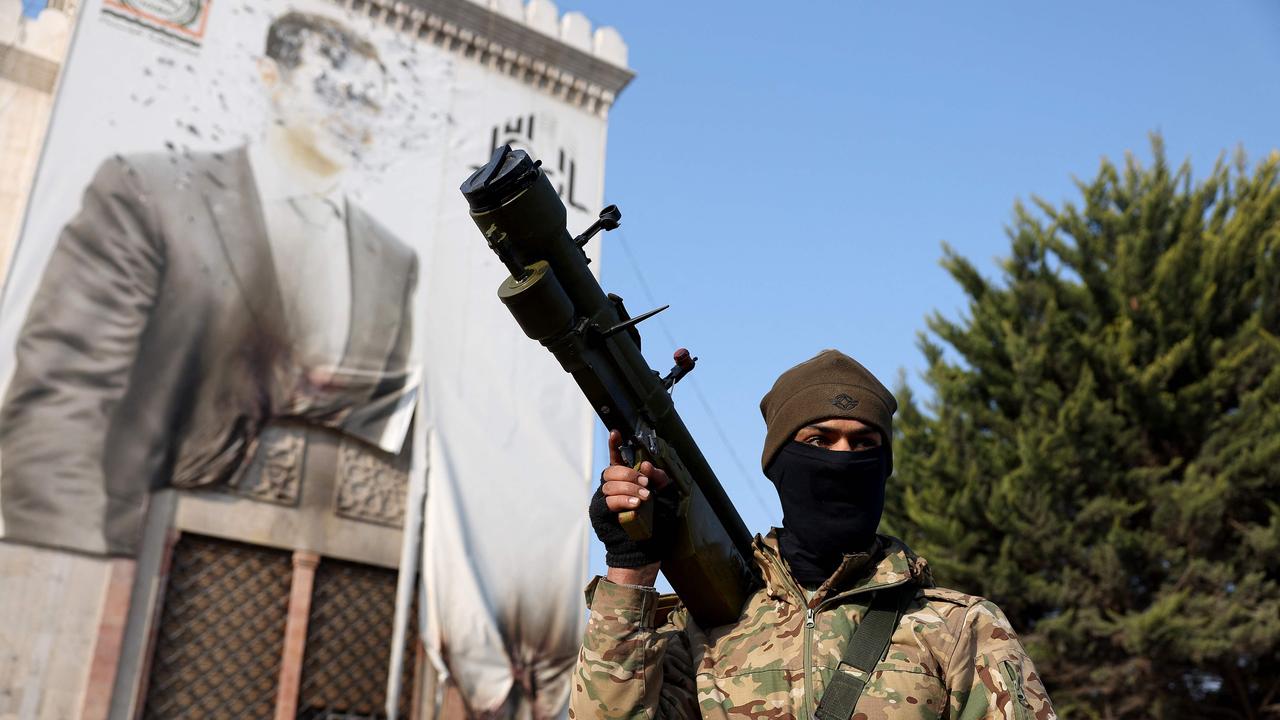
column 275, row 473
column 371, row 484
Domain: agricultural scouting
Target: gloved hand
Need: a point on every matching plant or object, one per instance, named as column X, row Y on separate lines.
column 620, row 551
column 623, row 488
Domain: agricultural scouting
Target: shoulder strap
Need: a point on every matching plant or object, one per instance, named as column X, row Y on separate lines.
column 869, row 642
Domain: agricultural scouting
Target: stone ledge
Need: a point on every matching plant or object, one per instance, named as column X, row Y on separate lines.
column 520, row 49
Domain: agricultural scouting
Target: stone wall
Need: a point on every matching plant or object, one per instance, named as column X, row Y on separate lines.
column 31, row 53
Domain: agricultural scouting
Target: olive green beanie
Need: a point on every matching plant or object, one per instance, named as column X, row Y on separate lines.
column 829, row 385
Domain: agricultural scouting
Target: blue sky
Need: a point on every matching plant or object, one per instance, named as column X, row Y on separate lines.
column 788, row 172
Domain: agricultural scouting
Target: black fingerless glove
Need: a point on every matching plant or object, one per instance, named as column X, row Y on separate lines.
column 620, row 551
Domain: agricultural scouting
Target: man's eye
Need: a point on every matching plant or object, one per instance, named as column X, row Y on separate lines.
column 816, row 440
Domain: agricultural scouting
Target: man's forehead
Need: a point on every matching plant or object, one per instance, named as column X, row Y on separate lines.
column 839, row 424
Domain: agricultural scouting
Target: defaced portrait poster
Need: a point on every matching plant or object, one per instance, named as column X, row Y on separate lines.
column 246, row 226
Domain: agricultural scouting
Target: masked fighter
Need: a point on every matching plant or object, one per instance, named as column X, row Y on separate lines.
column 847, row 624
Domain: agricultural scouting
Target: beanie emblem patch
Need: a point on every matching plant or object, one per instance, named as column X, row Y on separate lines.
column 844, row 402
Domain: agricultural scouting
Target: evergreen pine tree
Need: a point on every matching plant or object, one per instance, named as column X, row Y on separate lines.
column 1101, row 455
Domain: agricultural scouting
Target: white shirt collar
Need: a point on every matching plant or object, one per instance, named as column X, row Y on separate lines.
column 276, row 183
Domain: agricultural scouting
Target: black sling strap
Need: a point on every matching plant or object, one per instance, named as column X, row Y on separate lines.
column 869, row 642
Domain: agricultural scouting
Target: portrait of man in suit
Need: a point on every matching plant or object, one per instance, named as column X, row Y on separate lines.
column 224, row 319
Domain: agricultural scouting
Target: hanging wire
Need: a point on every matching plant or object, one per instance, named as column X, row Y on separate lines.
column 697, row 391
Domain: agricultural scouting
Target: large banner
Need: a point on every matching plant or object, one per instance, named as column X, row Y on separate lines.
column 245, row 227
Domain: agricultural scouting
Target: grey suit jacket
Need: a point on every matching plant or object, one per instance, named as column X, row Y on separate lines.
column 156, row 349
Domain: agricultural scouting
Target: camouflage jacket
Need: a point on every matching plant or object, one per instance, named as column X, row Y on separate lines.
column 951, row 656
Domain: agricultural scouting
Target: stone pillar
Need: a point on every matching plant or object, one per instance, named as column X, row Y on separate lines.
column 125, row 705
column 31, row 56
column 295, row 633
column 50, row 613
column 107, row 646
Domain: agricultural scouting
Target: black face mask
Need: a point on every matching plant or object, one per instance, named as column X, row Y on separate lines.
column 831, row 505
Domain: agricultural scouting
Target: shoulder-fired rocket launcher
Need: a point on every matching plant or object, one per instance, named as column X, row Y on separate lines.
column 558, row 302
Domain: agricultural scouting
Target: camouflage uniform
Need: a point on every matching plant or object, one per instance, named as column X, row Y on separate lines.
column 952, row 655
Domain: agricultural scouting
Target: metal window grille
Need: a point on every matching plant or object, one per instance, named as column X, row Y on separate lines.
column 348, row 655
column 221, row 631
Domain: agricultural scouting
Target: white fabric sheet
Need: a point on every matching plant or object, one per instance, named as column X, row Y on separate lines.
column 508, row 484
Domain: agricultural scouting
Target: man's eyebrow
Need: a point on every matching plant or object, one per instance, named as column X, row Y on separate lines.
column 866, row 431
